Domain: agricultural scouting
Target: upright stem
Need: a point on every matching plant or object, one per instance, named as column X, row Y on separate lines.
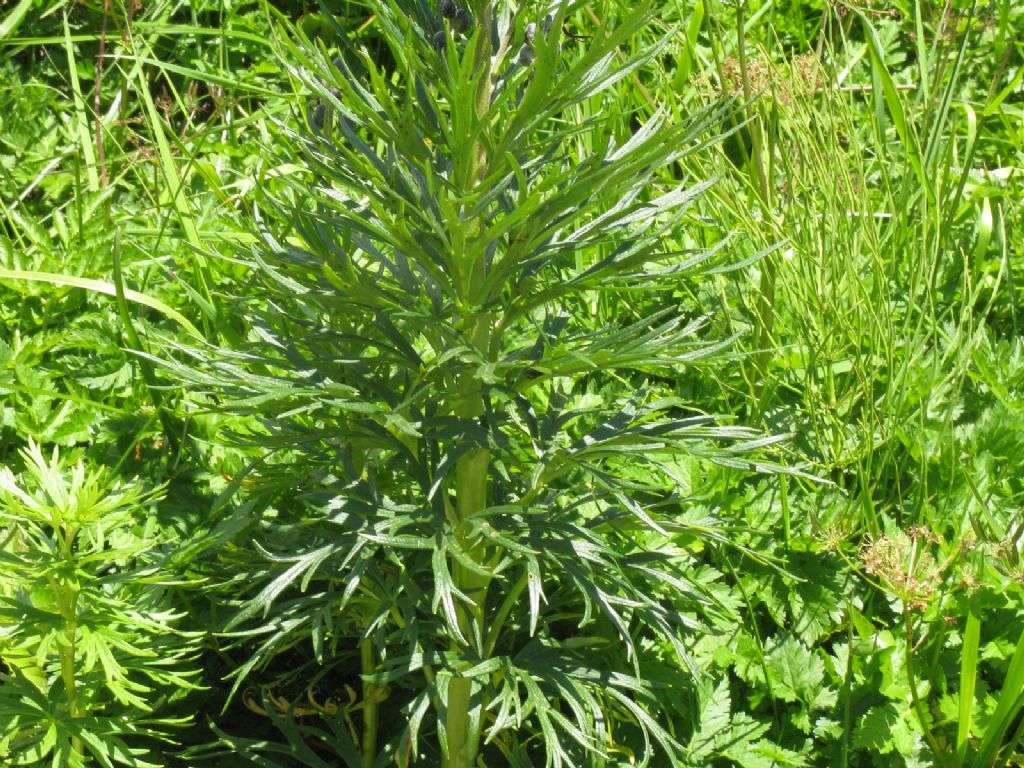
column 472, row 468
column 756, row 149
column 68, row 601
column 462, row 745
column 471, row 475
column 482, row 69
column 756, row 168
column 67, row 668
column 922, row 718
column 368, row 666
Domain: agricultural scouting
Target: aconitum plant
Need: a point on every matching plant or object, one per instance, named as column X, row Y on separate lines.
column 90, row 650
column 475, row 539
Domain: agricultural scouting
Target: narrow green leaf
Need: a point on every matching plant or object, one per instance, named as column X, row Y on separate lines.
column 100, row 286
column 1008, row 706
column 968, row 679
column 85, row 138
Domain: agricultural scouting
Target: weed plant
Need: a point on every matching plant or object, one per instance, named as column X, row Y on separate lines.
column 90, row 648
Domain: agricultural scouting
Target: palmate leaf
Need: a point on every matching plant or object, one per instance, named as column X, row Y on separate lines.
column 660, row 340
column 796, row 671
column 262, row 752
column 454, row 473
column 763, row 754
column 724, row 734
column 386, row 192
column 36, row 729
column 880, row 730
column 79, row 568
column 640, row 431
column 589, row 693
column 298, row 574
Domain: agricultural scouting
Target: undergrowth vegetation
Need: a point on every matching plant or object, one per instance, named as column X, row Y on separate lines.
column 471, row 383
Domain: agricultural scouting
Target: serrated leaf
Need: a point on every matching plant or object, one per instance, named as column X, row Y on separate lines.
column 796, row 671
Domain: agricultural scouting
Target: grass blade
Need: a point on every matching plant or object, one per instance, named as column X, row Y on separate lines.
column 1011, row 700
column 81, row 118
column 101, row 286
column 968, row 678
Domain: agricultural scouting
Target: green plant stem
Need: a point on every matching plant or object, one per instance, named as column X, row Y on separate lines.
column 759, row 643
column 908, row 624
column 371, row 709
column 844, row 754
column 756, row 168
column 67, row 668
column 506, row 607
column 69, row 609
column 471, row 481
column 471, row 472
column 482, row 69
column 756, row 151
column 461, row 747
column 472, row 468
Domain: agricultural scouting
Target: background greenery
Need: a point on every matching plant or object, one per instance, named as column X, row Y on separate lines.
column 866, row 161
